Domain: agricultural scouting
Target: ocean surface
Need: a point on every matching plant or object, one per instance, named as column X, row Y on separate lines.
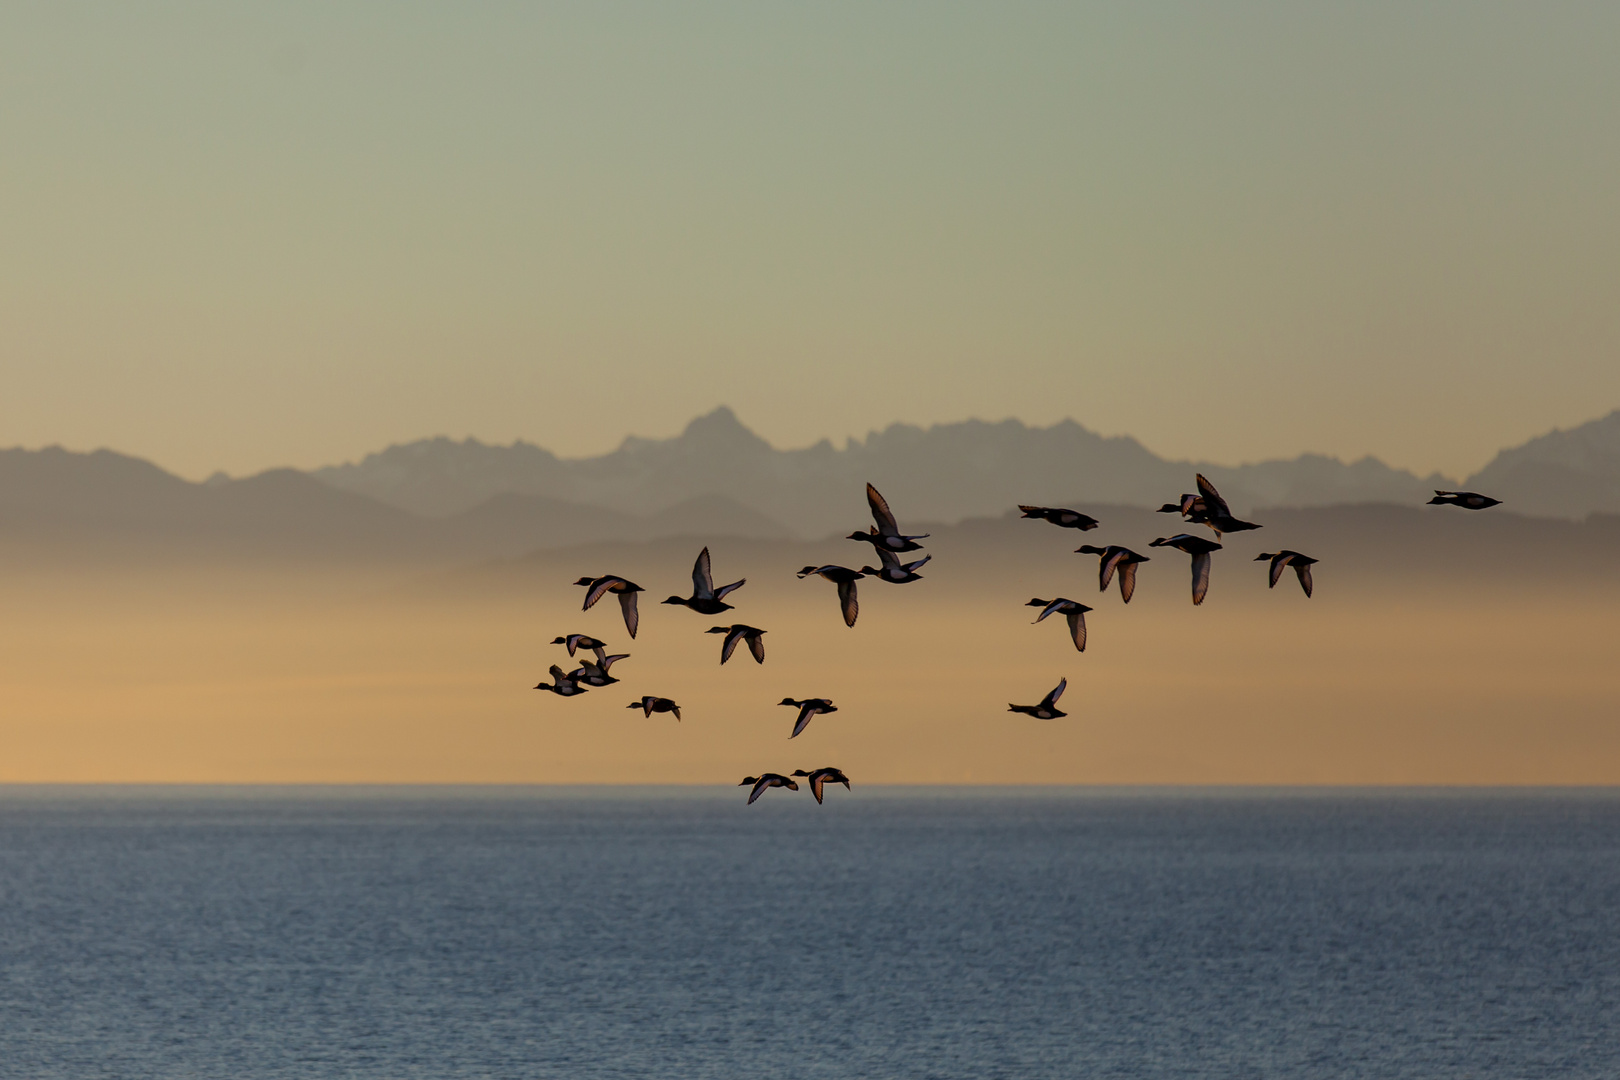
column 1020, row 933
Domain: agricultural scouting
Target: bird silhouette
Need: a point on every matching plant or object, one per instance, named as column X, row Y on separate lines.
column 885, row 534
column 1199, row 548
column 705, row 598
column 1282, row 560
column 736, row 633
column 1115, row 557
column 1047, row 709
column 596, row 588
column 809, row 709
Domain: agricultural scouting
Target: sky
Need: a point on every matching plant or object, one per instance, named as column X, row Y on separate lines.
column 242, row 235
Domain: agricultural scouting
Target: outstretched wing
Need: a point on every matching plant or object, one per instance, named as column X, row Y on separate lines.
column 720, row 593
column 815, row 785
column 1212, row 498
column 881, row 513
column 1050, row 700
column 702, row 579
column 1127, row 580
column 889, row 558
column 1279, row 563
column 632, row 617
column 847, row 601
column 598, row 589
column 1200, row 576
column 1304, row 572
column 759, row 785
column 806, row 711
column 756, row 645
column 1077, row 628
column 912, row 567
column 1105, row 572
column 729, row 646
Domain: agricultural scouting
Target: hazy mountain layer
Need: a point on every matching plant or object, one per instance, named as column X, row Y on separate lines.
column 947, row 472
column 1563, row 473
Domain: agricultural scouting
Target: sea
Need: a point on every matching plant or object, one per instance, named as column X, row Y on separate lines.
column 898, row 932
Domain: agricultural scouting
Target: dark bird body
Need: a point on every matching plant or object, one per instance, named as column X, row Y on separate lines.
column 563, row 684
column 1060, row 516
column 650, row 704
column 809, row 709
column 817, row 777
column 1114, row 557
column 581, row 641
column 766, row 780
column 1282, row 560
column 1218, row 515
column 705, row 598
column 1468, row 500
column 596, row 588
column 893, row 570
column 1199, row 548
column 1047, row 709
column 885, row 534
column 597, row 674
column 845, row 579
column 739, row 632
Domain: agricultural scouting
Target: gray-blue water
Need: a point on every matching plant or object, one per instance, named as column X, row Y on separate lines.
column 678, row 933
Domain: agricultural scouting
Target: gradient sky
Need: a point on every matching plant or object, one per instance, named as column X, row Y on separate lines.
column 245, row 235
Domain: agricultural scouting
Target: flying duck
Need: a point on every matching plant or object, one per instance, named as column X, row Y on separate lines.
column 845, row 579
column 1219, row 516
column 809, row 708
column 580, row 641
column 563, row 684
column 706, row 599
column 597, row 674
column 1061, row 517
column 1114, row 557
column 1282, row 560
column 596, row 588
column 766, row 780
column 649, row 705
column 739, row 632
column 1199, row 548
column 818, row 777
column 1075, row 613
column 1047, row 709
column 893, row 570
column 1468, row 500
column 1191, row 507
column 886, row 533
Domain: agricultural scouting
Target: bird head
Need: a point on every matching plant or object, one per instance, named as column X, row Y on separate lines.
column 674, row 600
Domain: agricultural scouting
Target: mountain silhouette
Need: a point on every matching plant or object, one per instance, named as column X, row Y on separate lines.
column 942, row 473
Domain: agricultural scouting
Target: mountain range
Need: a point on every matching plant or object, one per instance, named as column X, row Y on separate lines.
column 442, row 500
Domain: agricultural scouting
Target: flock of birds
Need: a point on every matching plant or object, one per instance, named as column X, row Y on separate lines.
column 1205, row 507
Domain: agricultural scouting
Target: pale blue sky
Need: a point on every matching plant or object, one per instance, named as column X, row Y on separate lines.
column 242, row 235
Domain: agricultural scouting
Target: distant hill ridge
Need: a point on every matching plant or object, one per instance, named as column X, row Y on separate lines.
column 946, row 472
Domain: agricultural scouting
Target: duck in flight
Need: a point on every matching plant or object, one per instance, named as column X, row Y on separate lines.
column 885, row 535
column 1218, row 516
column 1282, row 560
column 1468, row 500
column 893, row 570
column 766, row 780
column 597, row 674
column 563, row 684
column 845, row 579
column 1069, row 609
column 1190, row 507
column 650, row 704
column 582, row 641
column 596, row 588
column 1060, row 516
column 705, row 598
column 1047, row 709
column 739, row 632
column 1199, row 548
column 817, row 777
column 1115, row 557
column 809, row 709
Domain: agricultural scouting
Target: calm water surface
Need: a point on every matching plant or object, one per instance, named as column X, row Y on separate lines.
column 313, row 933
